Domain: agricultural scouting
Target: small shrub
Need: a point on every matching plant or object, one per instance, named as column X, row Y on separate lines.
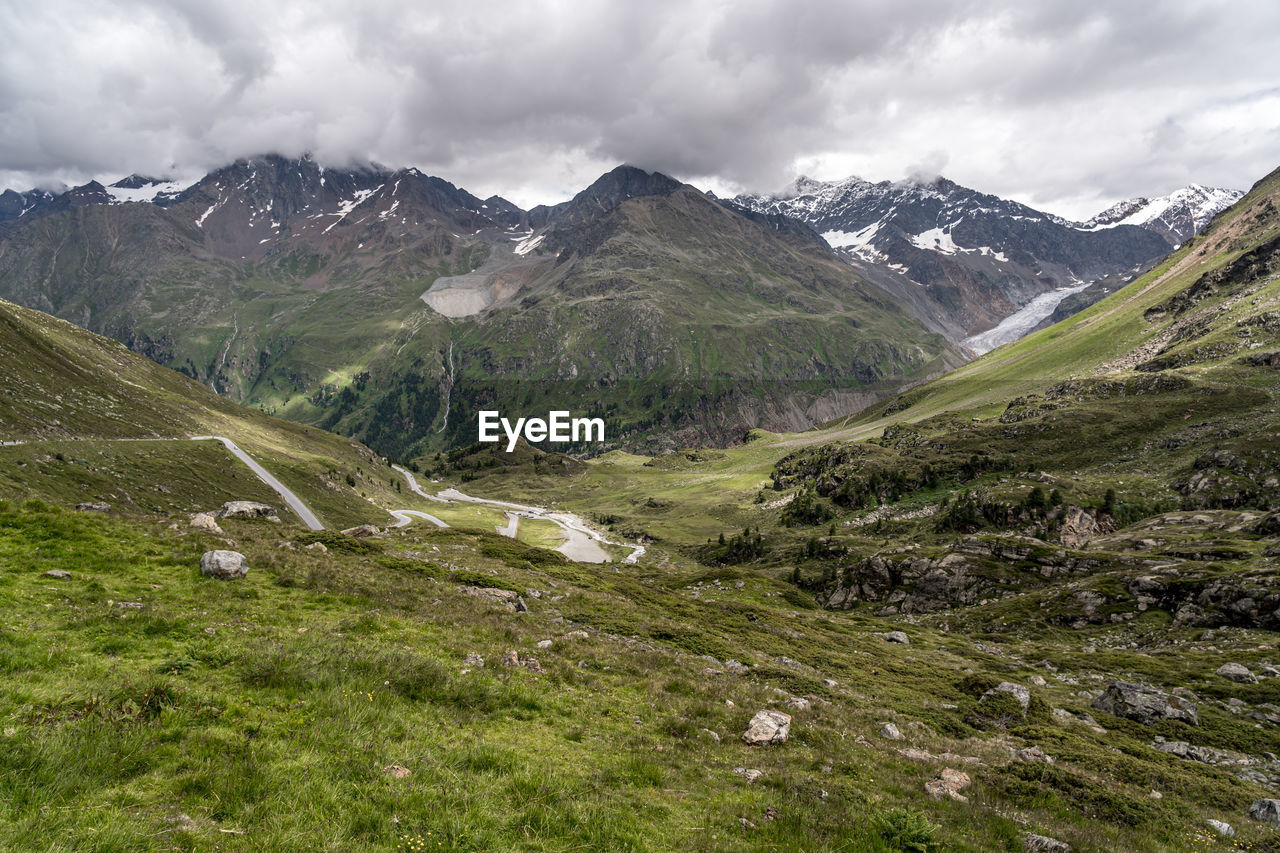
column 908, row 831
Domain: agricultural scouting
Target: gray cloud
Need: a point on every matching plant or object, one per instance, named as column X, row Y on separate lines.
column 1065, row 105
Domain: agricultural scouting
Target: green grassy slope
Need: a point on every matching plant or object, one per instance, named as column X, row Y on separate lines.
column 69, row 392
column 147, row 708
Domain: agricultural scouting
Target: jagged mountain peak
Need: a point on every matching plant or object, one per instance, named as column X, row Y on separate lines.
column 1177, row 216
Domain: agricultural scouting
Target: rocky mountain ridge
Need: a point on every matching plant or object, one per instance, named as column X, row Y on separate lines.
column 977, row 256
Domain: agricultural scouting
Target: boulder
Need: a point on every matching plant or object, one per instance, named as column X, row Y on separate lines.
column 1017, row 691
column 891, row 732
column 751, row 775
column 248, row 509
column 58, row 574
column 1223, row 828
column 224, row 565
column 1144, row 704
column 206, row 521
column 1267, row 811
column 895, row 637
column 577, row 635
column 318, row 547
column 1238, row 673
column 949, row 784
column 797, row 703
column 767, row 727
column 363, row 531
column 94, row 506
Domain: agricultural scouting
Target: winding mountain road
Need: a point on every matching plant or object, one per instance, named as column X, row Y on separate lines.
column 295, row 503
column 581, row 544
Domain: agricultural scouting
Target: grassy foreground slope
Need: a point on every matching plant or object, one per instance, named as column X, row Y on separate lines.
column 327, row 701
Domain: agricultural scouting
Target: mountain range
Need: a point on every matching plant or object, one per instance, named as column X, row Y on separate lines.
column 980, row 258
column 391, row 305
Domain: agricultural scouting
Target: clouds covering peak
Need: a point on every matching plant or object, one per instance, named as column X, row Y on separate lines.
column 1067, row 106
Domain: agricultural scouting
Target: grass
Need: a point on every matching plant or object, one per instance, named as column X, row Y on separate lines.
column 270, row 707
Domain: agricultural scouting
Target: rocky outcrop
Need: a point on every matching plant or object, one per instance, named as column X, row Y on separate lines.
column 224, row 565
column 248, row 509
column 1267, row 811
column 1080, row 525
column 949, row 784
column 1020, row 694
column 1144, row 704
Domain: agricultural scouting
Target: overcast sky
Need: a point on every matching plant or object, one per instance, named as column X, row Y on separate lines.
column 1067, row 106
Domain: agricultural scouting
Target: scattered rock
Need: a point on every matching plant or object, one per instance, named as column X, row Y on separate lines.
column 1238, row 673
column 577, row 635
column 1224, row 829
column 767, row 727
column 1202, row 754
column 58, row 574
column 1267, row 811
column 224, row 565
column 830, row 682
column 715, row 736
column 891, row 732
column 786, row 661
column 895, row 637
column 318, row 547
column 797, row 703
column 736, row 667
column 1037, row 681
column 248, row 509
column 916, row 754
column 1044, row 844
column 206, row 521
column 474, row 660
column 1017, row 691
column 1144, row 704
column 513, row 659
column 949, row 784
column 520, row 606
column 363, row 531
column 396, row 771
column 94, row 506
column 747, row 773
column 545, row 644
column 1032, row 755
column 505, row 597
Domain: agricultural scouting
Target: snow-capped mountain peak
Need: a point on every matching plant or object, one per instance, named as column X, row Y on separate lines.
column 1176, row 217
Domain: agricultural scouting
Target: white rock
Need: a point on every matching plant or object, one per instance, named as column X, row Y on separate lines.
column 224, row 565
column 767, row 727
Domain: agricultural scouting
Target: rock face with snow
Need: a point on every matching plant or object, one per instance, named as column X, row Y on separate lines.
column 977, row 257
column 1176, row 217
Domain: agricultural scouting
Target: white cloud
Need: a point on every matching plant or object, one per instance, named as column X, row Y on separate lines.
column 1065, row 105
